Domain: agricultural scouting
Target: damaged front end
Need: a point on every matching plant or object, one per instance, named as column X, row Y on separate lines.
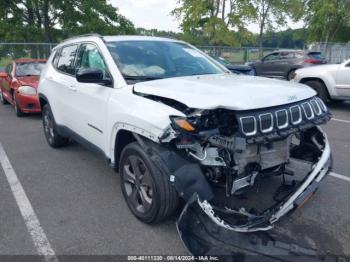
column 249, row 168
column 243, row 170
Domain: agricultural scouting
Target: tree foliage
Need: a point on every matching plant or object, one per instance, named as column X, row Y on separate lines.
column 328, row 20
column 213, row 20
column 52, row 20
column 217, row 20
column 271, row 14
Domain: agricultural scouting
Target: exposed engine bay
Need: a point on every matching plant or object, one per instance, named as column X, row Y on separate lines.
column 243, row 155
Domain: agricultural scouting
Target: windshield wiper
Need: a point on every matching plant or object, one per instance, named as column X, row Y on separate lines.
column 141, row 78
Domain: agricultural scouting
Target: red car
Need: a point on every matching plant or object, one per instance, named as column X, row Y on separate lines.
column 18, row 85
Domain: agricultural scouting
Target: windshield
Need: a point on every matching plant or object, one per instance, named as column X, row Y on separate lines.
column 29, row 69
column 149, row 60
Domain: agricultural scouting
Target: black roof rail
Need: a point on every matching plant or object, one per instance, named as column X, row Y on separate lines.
column 84, row 35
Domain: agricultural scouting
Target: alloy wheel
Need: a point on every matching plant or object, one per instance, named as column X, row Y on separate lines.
column 138, row 184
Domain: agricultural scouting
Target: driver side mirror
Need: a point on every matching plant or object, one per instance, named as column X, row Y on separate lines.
column 92, row 75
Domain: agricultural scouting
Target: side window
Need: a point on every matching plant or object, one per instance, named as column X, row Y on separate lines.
column 286, row 55
column 271, row 57
column 89, row 57
column 66, row 58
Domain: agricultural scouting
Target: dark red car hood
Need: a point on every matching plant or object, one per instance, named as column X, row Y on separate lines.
column 29, row 80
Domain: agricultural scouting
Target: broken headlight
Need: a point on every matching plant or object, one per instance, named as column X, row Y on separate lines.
column 221, row 121
column 182, row 123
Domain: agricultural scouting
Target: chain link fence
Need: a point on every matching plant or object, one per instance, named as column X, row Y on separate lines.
column 334, row 53
column 236, row 55
column 10, row 51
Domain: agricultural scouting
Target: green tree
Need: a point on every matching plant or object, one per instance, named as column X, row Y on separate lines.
column 328, row 20
column 212, row 20
column 52, row 20
column 92, row 16
column 271, row 14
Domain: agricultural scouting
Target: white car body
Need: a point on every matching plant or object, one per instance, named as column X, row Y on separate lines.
column 206, row 92
column 97, row 113
column 335, row 77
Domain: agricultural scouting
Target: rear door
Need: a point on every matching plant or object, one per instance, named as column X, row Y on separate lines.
column 63, row 85
column 286, row 64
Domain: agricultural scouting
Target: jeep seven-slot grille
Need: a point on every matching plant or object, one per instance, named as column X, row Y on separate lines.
column 279, row 119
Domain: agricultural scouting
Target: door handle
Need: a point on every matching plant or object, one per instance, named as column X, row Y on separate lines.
column 72, row 88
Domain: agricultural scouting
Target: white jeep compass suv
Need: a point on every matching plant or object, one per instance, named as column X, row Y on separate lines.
column 241, row 150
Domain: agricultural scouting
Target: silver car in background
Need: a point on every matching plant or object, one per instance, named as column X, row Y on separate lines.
column 282, row 64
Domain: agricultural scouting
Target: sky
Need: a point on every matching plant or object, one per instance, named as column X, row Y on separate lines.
column 155, row 14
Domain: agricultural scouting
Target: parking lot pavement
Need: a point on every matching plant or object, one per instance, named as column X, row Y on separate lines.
column 338, row 131
column 14, row 238
column 78, row 200
column 340, row 110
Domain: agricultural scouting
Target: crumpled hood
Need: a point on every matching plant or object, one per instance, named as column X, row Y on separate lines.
column 236, row 92
column 32, row 81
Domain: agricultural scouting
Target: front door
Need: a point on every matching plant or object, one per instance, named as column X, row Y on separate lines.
column 92, row 105
column 343, row 80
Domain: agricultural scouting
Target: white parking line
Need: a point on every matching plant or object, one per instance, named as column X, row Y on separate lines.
column 345, row 178
column 39, row 238
column 340, row 120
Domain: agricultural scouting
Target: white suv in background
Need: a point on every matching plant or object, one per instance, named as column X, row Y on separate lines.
column 175, row 123
column 329, row 81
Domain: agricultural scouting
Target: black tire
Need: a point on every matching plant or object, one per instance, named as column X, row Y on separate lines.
column 18, row 111
column 2, row 99
column 290, row 74
column 147, row 191
column 53, row 138
column 320, row 88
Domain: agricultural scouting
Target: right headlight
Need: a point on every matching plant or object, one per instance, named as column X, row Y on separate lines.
column 27, row 90
column 182, row 123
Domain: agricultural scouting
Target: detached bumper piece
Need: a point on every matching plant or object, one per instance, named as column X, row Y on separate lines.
column 202, row 237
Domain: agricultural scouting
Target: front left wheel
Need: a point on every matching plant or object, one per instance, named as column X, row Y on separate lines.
column 147, row 191
column 18, row 110
column 53, row 138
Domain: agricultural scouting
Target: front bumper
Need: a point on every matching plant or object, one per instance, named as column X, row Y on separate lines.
column 28, row 104
column 203, row 232
column 265, row 221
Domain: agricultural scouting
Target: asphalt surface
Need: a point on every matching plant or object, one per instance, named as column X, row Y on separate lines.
column 79, row 204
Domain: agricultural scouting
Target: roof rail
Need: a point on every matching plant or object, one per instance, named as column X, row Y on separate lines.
column 84, row 35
